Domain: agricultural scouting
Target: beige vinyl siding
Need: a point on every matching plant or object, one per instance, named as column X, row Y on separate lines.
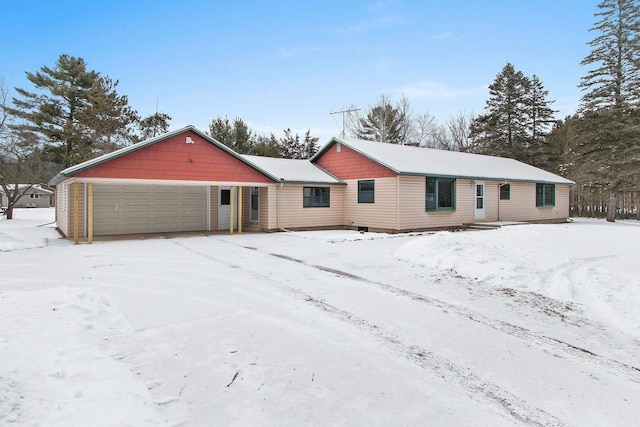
column 269, row 206
column 263, row 208
column 522, row 205
column 213, row 207
column 382, row 214
column 62, row 207
column 491, row 197
column 65, row 218
column 288, row 206
column 413, row 215
column 246, row 206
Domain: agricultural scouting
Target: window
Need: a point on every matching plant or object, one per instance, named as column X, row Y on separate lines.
column 225, row 197
column 315, row 197
column 545, row 195
column 366, row 191
column 505, row 192
column 441, row 194
column 34, row 196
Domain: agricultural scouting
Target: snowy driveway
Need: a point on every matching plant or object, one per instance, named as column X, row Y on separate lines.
column 304, row 328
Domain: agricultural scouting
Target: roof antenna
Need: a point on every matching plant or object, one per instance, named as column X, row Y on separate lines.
column 344, row 111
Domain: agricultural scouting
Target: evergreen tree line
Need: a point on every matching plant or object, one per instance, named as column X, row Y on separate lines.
column 236, row 135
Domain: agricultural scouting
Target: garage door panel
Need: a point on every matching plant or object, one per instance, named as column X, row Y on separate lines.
column 130, row 209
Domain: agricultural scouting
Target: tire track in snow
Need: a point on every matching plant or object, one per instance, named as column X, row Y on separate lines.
column 543, row 341
column 475, row 387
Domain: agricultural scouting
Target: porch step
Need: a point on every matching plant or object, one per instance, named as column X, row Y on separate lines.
column 490, row 225
column 482, row 226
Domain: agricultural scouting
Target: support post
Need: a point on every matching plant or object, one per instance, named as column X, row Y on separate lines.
column 239, row 210
column 232, row 201
column 90, row 213
column 75, row 213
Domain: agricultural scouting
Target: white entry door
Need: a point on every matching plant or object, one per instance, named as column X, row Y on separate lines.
column 479, row 211
column 224, row 208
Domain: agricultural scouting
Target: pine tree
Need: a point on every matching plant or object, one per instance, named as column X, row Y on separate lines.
column 517, row 119
column 76, row 113
column 383, row 123
column 502, row 130
column 609, row 105
column 235, row 135
column 540, row 119
column 154, row 125
column 310, row 145
column 266, row 146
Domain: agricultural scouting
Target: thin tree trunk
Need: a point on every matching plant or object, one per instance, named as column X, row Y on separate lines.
column 611, row 211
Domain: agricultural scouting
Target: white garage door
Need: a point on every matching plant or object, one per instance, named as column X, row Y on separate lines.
column 129, row 209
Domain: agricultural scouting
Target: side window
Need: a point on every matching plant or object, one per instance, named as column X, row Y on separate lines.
column 366, row 191
column 315, row 197
column 545, row 195
column 505, row 192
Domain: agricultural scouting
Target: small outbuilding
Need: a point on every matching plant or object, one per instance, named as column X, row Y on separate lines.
column 35, row 196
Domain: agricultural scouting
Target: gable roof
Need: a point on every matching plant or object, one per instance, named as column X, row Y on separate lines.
column 293, row 170
column 407, row 160
column 70, row 171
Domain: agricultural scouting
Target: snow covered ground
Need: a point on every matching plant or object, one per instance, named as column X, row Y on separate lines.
column 528, row 324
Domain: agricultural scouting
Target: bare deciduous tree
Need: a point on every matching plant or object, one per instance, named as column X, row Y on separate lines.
column 19, row 167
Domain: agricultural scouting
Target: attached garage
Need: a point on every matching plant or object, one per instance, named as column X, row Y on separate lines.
column 131, row 209
column 165, row 184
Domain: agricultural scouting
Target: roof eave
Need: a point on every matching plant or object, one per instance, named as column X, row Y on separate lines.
column 542, row 181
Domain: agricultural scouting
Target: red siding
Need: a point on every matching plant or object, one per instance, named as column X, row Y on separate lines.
column 170, row 159
column 348, row 164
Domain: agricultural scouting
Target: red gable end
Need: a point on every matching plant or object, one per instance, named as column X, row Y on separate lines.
column 185, row 156
column 349, row 164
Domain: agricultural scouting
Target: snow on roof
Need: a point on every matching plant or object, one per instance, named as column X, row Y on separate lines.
column 290, row 170
column 408, row 160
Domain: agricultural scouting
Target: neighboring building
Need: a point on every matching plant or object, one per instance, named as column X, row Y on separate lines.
column 34, row 197
column 186, row 181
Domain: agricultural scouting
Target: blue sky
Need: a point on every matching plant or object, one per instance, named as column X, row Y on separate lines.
column 288, row 64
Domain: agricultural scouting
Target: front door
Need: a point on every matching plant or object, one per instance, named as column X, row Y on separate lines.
column 480, row 202
column 224, row 208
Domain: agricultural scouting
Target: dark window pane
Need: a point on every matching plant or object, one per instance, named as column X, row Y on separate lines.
column 549, row 195
column 505, row 192
column 313, row 197
column 430, row 201
column 445, row 194
column 366, row 191
column 225, row 197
